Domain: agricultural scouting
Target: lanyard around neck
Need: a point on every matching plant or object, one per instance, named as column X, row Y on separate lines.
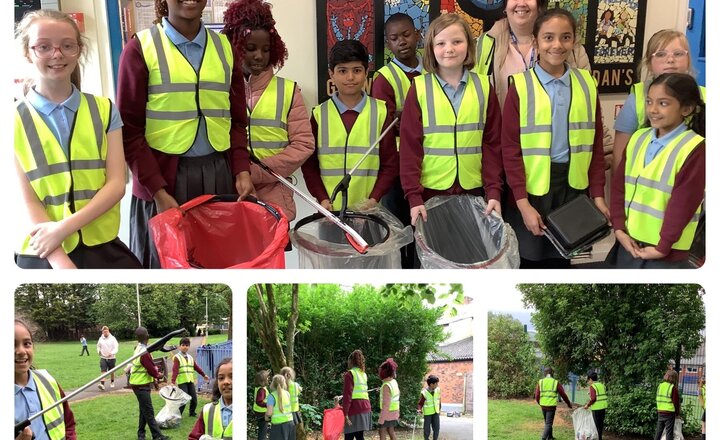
column 514, row 41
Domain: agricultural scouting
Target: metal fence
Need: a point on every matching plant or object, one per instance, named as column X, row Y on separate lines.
column 208, row 357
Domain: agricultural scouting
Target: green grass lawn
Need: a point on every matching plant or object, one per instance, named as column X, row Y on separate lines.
column 116, row 417
column 522, row 420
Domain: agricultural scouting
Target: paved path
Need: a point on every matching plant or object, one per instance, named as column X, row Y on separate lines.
column 120, row 378
column 455, row 428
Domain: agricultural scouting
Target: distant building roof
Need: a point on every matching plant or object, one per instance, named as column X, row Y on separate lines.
column 457, row 351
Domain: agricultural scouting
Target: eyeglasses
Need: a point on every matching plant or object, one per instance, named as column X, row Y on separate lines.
column 46, row 50
column 662, row 54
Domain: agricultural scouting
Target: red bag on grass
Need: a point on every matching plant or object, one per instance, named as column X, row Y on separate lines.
column 333, row 423
column 215, row 233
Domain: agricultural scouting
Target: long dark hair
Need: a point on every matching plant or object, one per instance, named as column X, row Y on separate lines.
column 683, row 87
column 216, row 395
column 356, row 359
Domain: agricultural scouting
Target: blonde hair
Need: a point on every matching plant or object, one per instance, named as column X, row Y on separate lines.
column 278, row 383
column 23, row 39
column 288, row 373
column 438, row 25
column 660, row 40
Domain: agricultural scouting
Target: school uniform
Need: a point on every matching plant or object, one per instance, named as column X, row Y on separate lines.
column 41, row 391
column 215, row 421
column 62, row 150
column 282, row 425
column 356, row 403
column 342, row 136
column 667, row 401
column 183, row 373
column 598, row 404
column 170, row 143
column 434, row 161
column 544, row 161
column 142, row 375
column 389, row 403
column 259, row 409
column 430, row 404
column 547, row 391
column 680, row 158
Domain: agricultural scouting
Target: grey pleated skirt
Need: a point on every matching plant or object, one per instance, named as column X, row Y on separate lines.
column 360, row 422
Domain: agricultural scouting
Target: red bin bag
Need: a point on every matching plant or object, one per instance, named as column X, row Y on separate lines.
column 214, row 233
column 333, row 423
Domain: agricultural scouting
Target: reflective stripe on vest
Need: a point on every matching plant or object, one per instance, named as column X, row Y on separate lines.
column 268, row 121
column 360, row 389
column 65, row 183
column 186, row 369
column 282, row 410
column 536, row 129
column 663, row 398
column 338, row 151
column 640, row 91
column 49, row 393
column 548, row 391
column 398, row 80
column 138, row 373
column 178, row 96
column 452, row 143
column 648, row 188
column 294, row 395
column 394, row 395
column 212, row 416
column 432, row 401
column 484, row 55
column 256, row 407
column 600, row 397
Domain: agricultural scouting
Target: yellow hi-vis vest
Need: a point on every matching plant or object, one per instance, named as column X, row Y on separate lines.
column 398, row 80
column 432, row 401
column 268, row 121
column 394, row 395
column 186, row 369
column 138, row 373
column 600, row 396
column 65, row 184
column 536, row 129
column 702, row 393
column 640, row 91
column 452, row 143
column 49, row 393
column 294, row 391
column 256, row 407
column 178, row 96
column 212, row 417
column 339, row 151
column 663, row 398
column 648, row 188
column 282, row 412
column 484, row 55
column 548, row 391
column 360, row 389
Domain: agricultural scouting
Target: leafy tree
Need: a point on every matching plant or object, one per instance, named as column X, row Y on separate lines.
column 511, row 359
column 63, row 311
column 429, row 293
column 265, row 317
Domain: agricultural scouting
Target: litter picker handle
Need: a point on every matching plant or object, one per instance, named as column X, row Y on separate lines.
column 155, row 346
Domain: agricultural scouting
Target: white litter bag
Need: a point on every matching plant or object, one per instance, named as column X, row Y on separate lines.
column 169, row 416
column 677, row 432
column 584, row 425
column 208, row 437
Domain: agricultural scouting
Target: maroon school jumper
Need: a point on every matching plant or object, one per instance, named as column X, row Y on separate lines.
column 356, row 406
column 381, row 89
column 152, row 169
column 412, row 153
column 176, row 369
column 388, row 161
column 685, row 197
column 561, row 392
column 676, row 402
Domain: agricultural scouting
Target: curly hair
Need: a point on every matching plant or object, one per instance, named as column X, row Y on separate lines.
column 356, row 359
column 245, row 16
column 161, row 10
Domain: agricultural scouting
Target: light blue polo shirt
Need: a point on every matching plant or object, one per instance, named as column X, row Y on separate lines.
column 455, row 95
column 657, row 144
column 627, row 121
column 27, row 403
column 225, row 412
column 408, row 69
column 342, row 108
column 559, row 90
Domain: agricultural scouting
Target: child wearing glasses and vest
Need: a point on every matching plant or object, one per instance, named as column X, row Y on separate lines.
column 667, row 401
column 389, row 399
column 355, row 400
column 181, row 94
column 345, row 126
column 278, row 129
column 216, row 417
column 183, row 374
column 450, row 130
column 68, row 156
column 430, row 405
column 143, row 377
column 668, row 51
column 598, row 402
column 547, row 391
column 279, row 410
column 552, row 141
column 35, row 390
column 659, row 185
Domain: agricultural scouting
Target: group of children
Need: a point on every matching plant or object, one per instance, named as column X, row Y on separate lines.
column 36, row 390
column 280, row 404
column 194, row 105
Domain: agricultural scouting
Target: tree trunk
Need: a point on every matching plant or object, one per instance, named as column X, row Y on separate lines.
column 292, row 325
column 265, row 324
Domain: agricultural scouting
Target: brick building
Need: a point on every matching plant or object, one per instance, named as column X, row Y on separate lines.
column 453, row 365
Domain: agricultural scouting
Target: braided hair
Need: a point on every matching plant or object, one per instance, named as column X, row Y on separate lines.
column 244, row 16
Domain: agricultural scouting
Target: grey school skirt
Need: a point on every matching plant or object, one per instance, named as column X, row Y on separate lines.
column 360, row 422
column 196, row 176
column 283, row 431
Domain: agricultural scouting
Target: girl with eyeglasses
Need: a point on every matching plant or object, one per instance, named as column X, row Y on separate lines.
column 68, row 155
column 668, row 51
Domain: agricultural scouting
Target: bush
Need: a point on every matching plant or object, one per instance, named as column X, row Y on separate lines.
column 214, row 331
column 511, row 361
column 632, row 411
column 312, row 416
column 691, row 423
